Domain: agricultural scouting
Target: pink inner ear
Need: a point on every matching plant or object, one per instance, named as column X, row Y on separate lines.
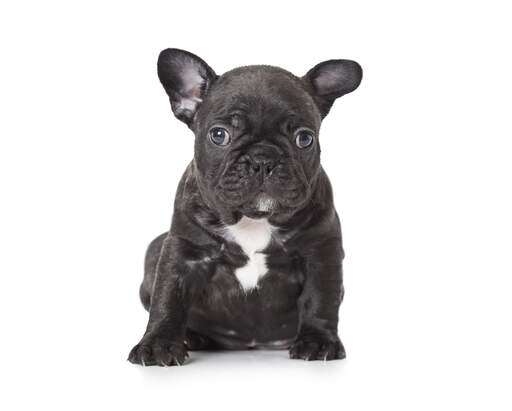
column 192, row 82
column 191, row 91
column 328, row 82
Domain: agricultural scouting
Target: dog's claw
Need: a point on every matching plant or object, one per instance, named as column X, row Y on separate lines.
column 317, row 348
column 163, row 354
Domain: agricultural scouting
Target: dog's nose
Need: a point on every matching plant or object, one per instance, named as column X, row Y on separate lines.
column 264, row 158
column 263, row 165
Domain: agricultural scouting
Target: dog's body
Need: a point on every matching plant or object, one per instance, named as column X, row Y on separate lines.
column 254, row 254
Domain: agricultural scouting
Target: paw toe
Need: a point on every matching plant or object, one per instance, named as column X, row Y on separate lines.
column 317, row 349
column 163, row 355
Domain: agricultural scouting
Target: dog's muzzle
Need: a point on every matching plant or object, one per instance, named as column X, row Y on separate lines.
column 261, row 179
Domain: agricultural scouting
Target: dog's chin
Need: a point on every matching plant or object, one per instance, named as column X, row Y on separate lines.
column 264, row 206
column 261, row 204
column 255, row 215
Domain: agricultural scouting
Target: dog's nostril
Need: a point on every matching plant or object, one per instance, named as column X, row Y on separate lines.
column 263, row 167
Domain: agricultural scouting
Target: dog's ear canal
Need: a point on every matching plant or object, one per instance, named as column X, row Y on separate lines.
column 332, row 79
column 186, row 79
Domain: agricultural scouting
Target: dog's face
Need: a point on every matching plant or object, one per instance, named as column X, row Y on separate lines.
column 257, row 151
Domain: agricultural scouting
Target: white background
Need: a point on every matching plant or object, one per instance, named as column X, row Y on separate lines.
column 420, row 161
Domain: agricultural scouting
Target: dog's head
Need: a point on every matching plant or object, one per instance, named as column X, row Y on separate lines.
column 256, row 149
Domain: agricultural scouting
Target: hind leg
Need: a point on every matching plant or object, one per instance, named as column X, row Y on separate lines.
column 152, row 256
column 195, row 341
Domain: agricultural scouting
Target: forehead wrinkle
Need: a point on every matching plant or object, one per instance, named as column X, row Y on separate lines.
column 260, row 93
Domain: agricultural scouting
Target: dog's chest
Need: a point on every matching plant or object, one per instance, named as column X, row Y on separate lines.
column 252, row 236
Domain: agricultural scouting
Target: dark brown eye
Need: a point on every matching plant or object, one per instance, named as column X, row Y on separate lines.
column 304, row 139
column 219, row 136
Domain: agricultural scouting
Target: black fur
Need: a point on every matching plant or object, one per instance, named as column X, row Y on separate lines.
column 194, row 299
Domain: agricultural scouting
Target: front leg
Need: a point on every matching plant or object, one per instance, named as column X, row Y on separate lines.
column 176, row 284
column 319, row 303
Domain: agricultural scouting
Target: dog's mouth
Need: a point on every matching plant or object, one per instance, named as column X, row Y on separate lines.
column 256, row 194
column 264, row 202
column 261, row 206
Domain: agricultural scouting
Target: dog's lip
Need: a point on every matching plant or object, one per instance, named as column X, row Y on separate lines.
column 261, row 205
column 264, row 201
column 257, row 214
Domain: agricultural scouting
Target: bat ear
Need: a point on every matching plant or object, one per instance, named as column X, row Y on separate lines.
column 332, row 79
column 186, row 79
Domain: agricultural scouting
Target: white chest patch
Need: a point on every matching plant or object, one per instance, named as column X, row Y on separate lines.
column 252, row 236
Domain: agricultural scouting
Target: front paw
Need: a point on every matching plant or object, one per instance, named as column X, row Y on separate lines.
column 317, row 347
column 157, row 352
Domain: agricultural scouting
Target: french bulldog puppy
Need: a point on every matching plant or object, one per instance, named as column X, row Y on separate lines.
column 254, row 254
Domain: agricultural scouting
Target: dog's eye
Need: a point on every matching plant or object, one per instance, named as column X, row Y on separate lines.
column 219, row 136
column 304, row 139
